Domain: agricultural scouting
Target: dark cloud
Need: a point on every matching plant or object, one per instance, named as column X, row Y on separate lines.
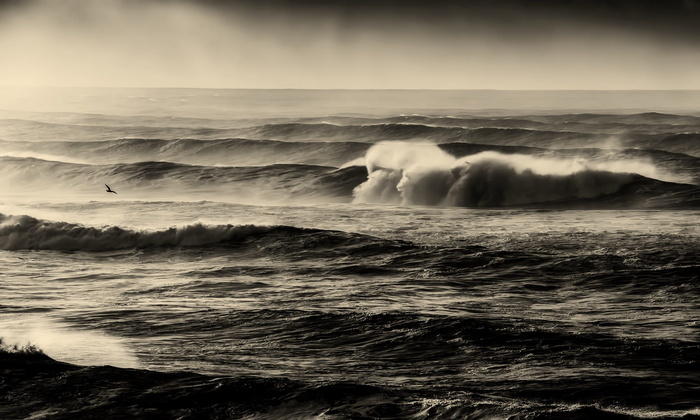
column 664, row 18
column 6, row 4
column 671, row 20
column 464, row 44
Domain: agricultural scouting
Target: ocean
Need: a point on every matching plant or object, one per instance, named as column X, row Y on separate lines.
column 292, row 254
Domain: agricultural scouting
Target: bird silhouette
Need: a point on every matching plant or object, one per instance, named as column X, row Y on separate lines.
column 109, row 190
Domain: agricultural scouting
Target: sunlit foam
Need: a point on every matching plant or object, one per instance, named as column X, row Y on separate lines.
column 423, row 174
column 66, row 344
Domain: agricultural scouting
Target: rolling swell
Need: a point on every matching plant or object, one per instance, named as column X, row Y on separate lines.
column 15, row 129
column 270, row 183
column 554, row 132
column 492, row 133
column 26, row 232
column 504, row 136
column 668, row 132
column 229, row 151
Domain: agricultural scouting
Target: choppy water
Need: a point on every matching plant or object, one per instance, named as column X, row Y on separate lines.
column 297, row 254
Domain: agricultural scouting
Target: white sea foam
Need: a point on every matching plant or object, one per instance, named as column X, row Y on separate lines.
column 82, row 347
column 420, row 173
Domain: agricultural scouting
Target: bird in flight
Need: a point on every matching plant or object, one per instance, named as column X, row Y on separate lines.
column 109, row 190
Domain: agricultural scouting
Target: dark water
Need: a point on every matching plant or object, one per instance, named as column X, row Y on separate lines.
column 282, row 254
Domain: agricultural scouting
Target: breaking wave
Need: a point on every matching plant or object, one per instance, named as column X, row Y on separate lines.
column 399, row 173
column 423, row 174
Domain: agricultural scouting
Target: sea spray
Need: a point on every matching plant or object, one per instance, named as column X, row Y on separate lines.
column 40, row 334
column 423, row 174
column 397, row 171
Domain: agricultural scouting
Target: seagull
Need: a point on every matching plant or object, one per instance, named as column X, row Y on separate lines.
column 109, row 189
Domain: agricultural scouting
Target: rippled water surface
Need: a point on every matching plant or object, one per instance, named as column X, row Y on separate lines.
column 291, row 266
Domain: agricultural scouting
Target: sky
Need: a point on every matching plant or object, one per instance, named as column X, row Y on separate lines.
column 344, row 44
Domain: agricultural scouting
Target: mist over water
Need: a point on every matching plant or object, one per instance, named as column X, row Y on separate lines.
column 348, row 45
column 356, row 254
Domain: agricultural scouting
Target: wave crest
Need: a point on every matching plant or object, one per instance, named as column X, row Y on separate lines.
column 26, row 232
column 423, row 174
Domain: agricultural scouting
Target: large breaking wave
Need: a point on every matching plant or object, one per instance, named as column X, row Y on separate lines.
column 423, row 174
column 396, row 173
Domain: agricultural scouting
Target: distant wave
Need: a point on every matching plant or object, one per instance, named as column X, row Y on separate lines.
column 423, row 174
column 673, row 133
column 642, row 118
column 433, row 129
column 365, row 132
column 494, row 135
column 494, row 118
column 228, row 151
column 686, row 143
column 19, row 130
column 594, row 122
column 309, row 130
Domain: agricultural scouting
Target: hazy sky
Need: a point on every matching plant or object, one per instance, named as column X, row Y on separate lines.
column 425, row 44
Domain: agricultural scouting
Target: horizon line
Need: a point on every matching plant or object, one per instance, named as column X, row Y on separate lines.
column 351, row 89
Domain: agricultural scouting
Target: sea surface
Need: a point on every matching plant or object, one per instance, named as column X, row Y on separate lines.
column 292, row 254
